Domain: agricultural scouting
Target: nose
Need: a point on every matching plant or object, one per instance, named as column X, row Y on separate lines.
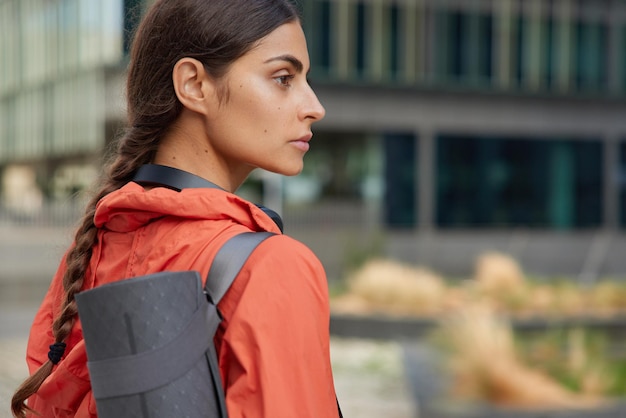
column 312, row 108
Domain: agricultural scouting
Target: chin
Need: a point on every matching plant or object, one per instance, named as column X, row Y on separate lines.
column 287, row 169
column 291, row 173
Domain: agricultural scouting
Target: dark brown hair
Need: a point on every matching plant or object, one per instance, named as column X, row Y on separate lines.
column 215, row 32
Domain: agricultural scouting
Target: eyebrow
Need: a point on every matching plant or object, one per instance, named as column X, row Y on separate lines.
column 297, row 64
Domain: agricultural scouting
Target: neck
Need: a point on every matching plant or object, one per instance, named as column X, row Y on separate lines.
column 187, row 148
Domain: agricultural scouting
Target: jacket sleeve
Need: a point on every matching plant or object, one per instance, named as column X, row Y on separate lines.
column 274, row 341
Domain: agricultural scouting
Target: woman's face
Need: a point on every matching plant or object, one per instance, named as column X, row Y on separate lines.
column 265, row 118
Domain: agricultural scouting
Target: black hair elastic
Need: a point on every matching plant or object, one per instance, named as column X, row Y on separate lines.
column 56, row 352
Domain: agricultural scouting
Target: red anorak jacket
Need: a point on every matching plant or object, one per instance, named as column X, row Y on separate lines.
column 273, row 343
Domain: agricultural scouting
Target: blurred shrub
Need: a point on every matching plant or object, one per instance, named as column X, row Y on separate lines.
column 382, row 285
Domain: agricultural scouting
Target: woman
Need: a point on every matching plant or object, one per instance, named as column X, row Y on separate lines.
column 215, row 88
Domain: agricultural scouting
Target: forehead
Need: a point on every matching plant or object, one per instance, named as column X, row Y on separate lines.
column 287, row 39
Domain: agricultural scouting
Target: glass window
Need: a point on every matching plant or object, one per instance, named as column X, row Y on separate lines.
column 7, row 46
column 560, row 53
column 319, row 37
column 51, row 41
column 26, row 32
column 36, row 118
column 400, row 180
column 36, row 23
column 9, row 122
column 396, row 41
column 68, row 35
column 443, row 42
column 132, row 15
column 112, row 21
column 591, row 56
column 489, row 182
column 622, row 57
column 4, row 134
column 485, row 46
column 90, row 33
column 457, row 46
column 531, row 42
column 48, row 119
column 361, row 40
column 622, row 184
column 465, row 47
column 548, row 52
column 24, row 126
column 519, row 28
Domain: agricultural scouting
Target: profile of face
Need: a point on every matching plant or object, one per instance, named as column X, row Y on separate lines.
column 265, row 115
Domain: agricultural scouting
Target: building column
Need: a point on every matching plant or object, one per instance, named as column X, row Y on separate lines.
column 611, row 190
column 377, row 40
column 503, row 56
column 615, row 18
column 342, row 18
column 426, row 179
column 532, row 64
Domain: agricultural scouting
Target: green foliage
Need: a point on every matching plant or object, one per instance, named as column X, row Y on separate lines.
column 581, row 359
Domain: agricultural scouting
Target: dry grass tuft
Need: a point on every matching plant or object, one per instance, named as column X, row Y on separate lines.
column 485, row 365
column 498, row 273
column 395, row 288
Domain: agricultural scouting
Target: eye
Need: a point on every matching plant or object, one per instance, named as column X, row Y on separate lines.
column 284, row 80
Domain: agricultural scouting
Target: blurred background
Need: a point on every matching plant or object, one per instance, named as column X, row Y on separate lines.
column 454, row 129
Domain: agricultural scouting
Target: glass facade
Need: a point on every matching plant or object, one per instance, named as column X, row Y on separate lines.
column 556, row 46
column 52, row 60
column 563, row 49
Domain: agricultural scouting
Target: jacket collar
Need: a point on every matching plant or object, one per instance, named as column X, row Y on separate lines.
column 132, row 207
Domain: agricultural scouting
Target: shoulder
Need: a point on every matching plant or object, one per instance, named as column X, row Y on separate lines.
column 282, row 251
column 279, row 269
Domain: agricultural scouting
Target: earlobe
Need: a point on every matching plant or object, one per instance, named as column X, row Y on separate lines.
column 192, row 85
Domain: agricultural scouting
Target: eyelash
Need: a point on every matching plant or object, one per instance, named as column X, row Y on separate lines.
column 284, row 80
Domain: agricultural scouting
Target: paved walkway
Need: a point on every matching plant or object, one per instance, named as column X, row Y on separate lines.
column 368, row 374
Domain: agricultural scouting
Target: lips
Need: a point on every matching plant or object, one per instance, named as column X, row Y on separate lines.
column 302, row 143
column 305, row 138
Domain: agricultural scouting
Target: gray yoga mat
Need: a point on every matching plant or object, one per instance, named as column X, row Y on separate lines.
column 149, row 343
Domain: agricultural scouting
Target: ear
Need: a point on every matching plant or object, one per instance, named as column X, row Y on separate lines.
column 193, row 86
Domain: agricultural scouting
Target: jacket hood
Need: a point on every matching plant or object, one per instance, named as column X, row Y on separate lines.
column 132, row 207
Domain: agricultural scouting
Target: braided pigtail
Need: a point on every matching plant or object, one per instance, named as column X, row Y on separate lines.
column 130, row 156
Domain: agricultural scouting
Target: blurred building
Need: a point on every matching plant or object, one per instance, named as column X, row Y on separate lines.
column 452, row 127
column 61, row 87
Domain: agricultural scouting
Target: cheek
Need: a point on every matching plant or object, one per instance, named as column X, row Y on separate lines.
column 258, row 108
column 257, row 111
